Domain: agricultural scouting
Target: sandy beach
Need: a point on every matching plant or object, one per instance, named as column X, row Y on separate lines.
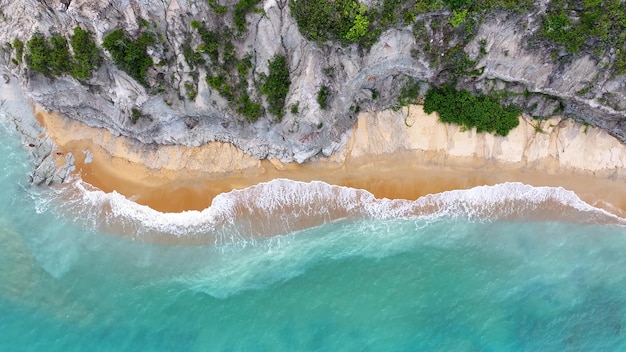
column 397, row 155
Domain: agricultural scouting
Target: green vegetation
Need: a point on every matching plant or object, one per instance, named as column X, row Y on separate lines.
column 242, row 9
column 250, row 109
column 360, row 25
column 229, row 75
column 409, row 93
column 462, row 108
column 190, row 88
column 51, row 56
column 37, row 56
column 295, row 108
column 135, row 115
column 18, row 46
column 322, row 96
column 87, row 56
column 276, row 85
column 591, row 26
column 130, row 55
column 349, row 21
column 458, row 17
column 344, row 21
column 217, row 8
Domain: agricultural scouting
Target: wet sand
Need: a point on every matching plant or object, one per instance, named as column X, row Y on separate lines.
column 384, row 162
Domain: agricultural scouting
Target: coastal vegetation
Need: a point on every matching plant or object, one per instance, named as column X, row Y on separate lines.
column 51, row 56
column 592, row 26
column 130, row 55
column 87, row 56
column 322, row 96
column 464, row 109
column 276, row 85
column 18, row 46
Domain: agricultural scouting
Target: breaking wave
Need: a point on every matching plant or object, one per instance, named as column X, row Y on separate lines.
column 283, row 206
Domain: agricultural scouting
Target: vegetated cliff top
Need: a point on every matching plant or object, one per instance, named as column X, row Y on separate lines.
column 286, row 78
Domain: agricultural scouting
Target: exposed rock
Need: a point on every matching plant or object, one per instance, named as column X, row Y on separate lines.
column 503, row 49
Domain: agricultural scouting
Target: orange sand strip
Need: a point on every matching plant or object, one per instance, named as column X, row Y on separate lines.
column 184, row 178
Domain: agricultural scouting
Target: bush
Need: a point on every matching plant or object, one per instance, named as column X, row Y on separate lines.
column 87, row 56
column 344, row 21
column 252, row 110
column 50, row 57
column 462, row 108
column 322, row 96
column 37, row 54
column 18, row 46
column 242, row 9
column 276, row 85
column 129, row 55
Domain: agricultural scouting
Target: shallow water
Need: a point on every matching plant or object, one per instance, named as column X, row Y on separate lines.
column 503, row 268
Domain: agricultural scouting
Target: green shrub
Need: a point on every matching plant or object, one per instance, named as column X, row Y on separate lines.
column 130, row 55
column 191, row 90
column 135, row 115
column 295, row 108
column 18, row 46
column 344, row 21
column 87, row 56
column 220, row 84
column 242, row 9
column 462, row 108
column 217, row 8
column 252, row 110
column 37, row 54
column 409, row 93
column 322, row 96
column 276, row 85
column 50, row 57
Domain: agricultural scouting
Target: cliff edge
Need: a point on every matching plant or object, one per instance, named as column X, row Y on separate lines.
column 287, row 78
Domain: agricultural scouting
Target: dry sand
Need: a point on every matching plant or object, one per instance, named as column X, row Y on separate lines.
column 402, row 155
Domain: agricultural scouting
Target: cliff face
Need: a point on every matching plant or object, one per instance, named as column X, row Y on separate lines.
column 177, row 104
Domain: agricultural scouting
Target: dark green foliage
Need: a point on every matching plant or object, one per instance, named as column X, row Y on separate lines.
column 457, row 62
column 590, row 26
column 144, row 23
column 276, row 85
column 409, row 93
column 135, row 115
column 242, row 9
column 217, row 8
column 295, row 108
column 344, row 21
column 252, row 110
column 462, row 108
column 50, row 57
column 220, row 84
column 130, row 55
column 37, row 56
column 322, row 96
column 87, row 56
column 59, row 57
column 191, row 90
column 195, row 24
column 18, row 46
column 244, row 66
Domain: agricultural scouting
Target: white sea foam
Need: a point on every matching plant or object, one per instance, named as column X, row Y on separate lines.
column 282, row 206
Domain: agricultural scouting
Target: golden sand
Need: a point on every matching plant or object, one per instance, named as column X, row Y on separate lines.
column 401, row 155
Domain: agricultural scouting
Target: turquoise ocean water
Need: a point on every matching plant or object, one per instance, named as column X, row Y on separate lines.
column 478, row 270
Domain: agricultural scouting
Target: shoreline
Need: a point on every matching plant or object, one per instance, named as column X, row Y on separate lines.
column 397, row 155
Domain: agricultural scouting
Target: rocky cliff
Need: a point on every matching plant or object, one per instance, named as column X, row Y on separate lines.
column 211, row 64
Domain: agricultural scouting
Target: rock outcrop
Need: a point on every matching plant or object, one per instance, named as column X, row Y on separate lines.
column 180, row 107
